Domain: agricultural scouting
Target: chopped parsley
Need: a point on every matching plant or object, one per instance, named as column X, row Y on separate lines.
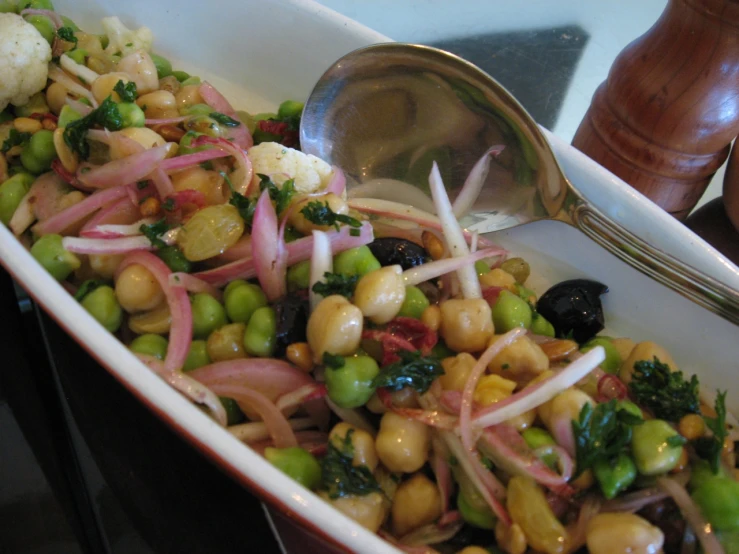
column 412, row 370
column 333, row 361
column 711, row 447
column 340, row 477
column 223, row 119
column 14, row 139
column 354, row 232
column 106, row 115
column 141, row 185
column 336, row 284
column 169, row 205
column 602, row 433
column 87, row 287
column 676, row 440
column 127, row 91
column 666, row 393
column 321, row 213
column 244, row 206
column 66, row 33
column 280, row 196
column 154, row 231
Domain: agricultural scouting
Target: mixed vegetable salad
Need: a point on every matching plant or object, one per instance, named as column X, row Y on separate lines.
column 380, row 355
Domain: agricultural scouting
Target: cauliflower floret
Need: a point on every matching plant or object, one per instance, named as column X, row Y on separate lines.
column 24, row 59
column 281, row 163
column 123, row 40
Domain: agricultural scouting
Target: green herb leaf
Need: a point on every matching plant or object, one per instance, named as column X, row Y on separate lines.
column 174, row 258
column 676, row 440
column 339, row 477
column 666, row 393
column 280, row 196
column 602, row 433
column 333, row 361
column 169, row 205
column 14, row 139
column 711, row 447
column 141, row 185
column 106, row 115
column 336, row 284
column 87, row 287
column 127, row 91
column 245, row 206
column 154, row 231
column 412, row 370
column 67, row 33
column 321, row 213
column 223, row 119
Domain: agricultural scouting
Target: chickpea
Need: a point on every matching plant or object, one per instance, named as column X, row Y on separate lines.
column 402, row 443
column 498, row 278
column 335, row 326
column 369, row 510
column 493, row 388
column 431, row 317
column 141, row 70
column 510, row 539
column 56, row 97
column 456, row 371
column 466, row 324
column 143, row 135
column 417, row 502
column 362, row 442
column 615, row 533
column 692, row 426
column 210, row 183
column 188, row 96
column 158, row 104
column 105, row 265
column 102, row 87
column 298, row 220
column 156, row 321
column 647, row 350
column 137, row 290
column 170, row 84
column 520, row 361
column 567, row 404
column 226, row 343
column 380, row 293
column 523, row 421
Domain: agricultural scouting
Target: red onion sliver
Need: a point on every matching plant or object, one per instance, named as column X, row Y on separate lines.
column 563, row 433
column 192, row 284
column 167, row 120
column 180, row 332
column 241, row 177
column 635, row 501
column 296, row 398
column 82, row 72
column 117, row 212
column 535, row 395
column 162, row 182
column 442, row 471
column 58, row 75
column 432, row 270
column 110, row 231
column 239, row 135
column 472, row 187
column 266, row 249
column 120, row 245
column 610, row 387
column 79, row 107
column 55, row 18
column 240, row 250
column 181, row 162
column 337, row 184
column 257, row 430
column 352, row 417
column 124, row 171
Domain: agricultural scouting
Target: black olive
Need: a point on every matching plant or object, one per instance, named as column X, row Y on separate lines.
column 574, row 308
column 392, row 251
column 291, row 314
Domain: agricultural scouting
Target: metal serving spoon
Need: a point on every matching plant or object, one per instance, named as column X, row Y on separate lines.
column 388, row 110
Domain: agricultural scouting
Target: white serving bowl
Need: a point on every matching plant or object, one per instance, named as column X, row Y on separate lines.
column 260, row 53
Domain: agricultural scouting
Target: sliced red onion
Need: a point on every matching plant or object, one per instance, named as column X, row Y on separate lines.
column 453, row 235
column 509, row 451
column 561, row 428
column 635, row 501
column 577, row 532
column 408, row 549
column 535, row 395
column 121, row 245
column 472, row 187
column 117, row 212
column 81, row 210
column 55, row 18
column 321, row 262
column 352, row 417
column 395, row 191
column 430, row 418
column 432, row 270
column 610, row 387
column 386, row 230
column 167, row 120
column 194, row 285
column 171, row 165
column 257, row 430
column 23, row 216
column 241, row 177
column 163, row 183
column 299, row 396
column 180, row 331
column 442, row 471
column 297, row 251
column 82, row 72
column 125, row 170
column 239, row 135
column 692, row 514
column 58, row 75
column 240, row 250
column 565, row 463
column 269, row 255
column 337, row 184
column 79, row 107
column 433, row 533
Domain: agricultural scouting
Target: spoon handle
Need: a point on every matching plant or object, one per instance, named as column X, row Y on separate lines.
column 660, row 266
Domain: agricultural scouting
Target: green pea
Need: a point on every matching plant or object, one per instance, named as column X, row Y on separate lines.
column 163, row 65
column 510, row 312
column 613, row 360
column 131, row 114
column 355, row 261
column 43, row 25
column 181, row 75
column 243, row 301
column 174, row 258
column 67, row 115
column 49, row 252
column 197, row 109
column 197, row 356
column 234, row 415
column 518, row 267
column 615, row 477
column 297, row 463
column 8, row 6
column 103, row 305
column 264, row 116
column 12, row 192
column 718, row 500
column 414, row 304
column 350, row 386
column 31, row 163
column 151, row 345
column 36, row 104
column 190, row 81
column 186, row 141
column 652, row 452
column 536, row 437
column 630, row 407
column 78, row 55
column 482, row 267
column 481, row 517
column 290, row 108
column 524, row 293
column 441, row 350
column 42, row 147
column 298, row 276
column 231, row 286
column 540, row 325
column 71, row 24
column 207, row 315
column 261, row 333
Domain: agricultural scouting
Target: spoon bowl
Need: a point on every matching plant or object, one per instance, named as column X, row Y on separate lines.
column 386, row 112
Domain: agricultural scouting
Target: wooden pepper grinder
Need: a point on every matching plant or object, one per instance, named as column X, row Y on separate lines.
column 664, row 119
